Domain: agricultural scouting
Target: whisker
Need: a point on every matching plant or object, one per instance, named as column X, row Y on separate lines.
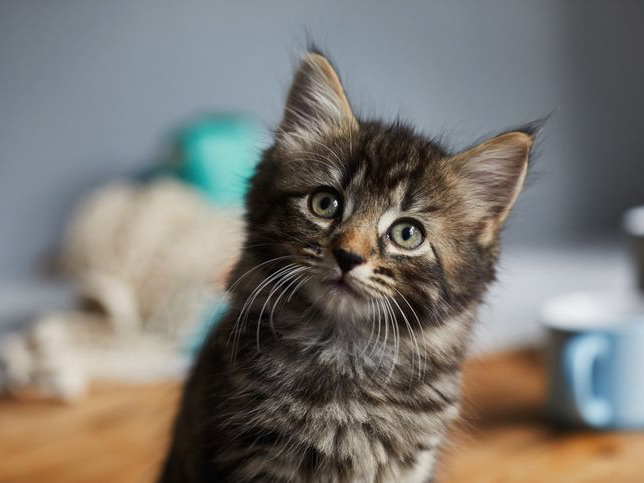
column 277, row 301
column 371, row 317
column 370, row 287
column 395, row 336
column 285, row 278
column 248, row 304
column 256, row 291
column 413, row 337
column 420, row 327
column 378, row 302
column 384, row 343
column 306, row 279
column 241, row 277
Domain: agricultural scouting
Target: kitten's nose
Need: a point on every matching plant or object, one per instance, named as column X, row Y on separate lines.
column 347, row 260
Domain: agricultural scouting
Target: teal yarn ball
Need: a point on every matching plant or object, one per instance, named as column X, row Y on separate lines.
column 218, row 156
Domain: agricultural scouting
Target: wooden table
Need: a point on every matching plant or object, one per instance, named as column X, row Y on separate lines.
column 119, row 433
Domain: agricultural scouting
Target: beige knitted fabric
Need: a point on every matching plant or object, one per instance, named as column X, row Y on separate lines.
column 150, row 259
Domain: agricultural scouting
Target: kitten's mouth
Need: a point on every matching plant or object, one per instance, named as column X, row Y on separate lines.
column 342, row 285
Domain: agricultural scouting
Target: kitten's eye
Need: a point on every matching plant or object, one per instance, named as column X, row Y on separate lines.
column 406, row 234
column 325, row 204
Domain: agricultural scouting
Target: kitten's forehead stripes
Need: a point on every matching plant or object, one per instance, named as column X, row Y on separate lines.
column 382, row 166
column 412, row 194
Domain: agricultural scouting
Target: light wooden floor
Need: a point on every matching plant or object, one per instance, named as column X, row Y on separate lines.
column 118, row 434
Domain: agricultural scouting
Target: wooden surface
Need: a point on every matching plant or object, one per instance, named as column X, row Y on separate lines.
column 119, row 433
column 504, row 436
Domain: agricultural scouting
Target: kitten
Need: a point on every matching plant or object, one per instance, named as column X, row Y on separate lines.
column 368, row 249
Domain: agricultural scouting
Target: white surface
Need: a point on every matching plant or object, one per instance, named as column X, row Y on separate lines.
column 591, row 310
column 530, row 277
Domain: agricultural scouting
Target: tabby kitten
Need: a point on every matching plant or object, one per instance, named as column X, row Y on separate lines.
column 368, row 249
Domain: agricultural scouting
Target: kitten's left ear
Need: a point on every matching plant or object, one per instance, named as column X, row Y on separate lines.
column 316, row 102
column 491, row 176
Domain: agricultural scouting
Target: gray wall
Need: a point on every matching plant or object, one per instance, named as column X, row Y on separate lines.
column 89, row 89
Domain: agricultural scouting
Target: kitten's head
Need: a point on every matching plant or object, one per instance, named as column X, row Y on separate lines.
column 375, row 216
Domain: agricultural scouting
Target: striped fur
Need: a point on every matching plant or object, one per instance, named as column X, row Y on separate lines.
column 319, row 376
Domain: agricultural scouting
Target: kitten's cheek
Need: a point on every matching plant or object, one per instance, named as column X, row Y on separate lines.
column 292, row 250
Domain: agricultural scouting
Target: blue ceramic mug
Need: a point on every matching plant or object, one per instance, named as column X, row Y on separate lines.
column 595, row 359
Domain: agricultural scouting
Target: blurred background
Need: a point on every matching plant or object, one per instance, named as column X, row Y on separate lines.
column 128, row 129
column 93, row 91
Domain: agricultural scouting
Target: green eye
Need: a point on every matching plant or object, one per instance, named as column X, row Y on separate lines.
column 406, row 234
column 325, row 204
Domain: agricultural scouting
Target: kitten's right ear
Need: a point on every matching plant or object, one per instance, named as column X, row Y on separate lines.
column 316, row 102
column 490, row 176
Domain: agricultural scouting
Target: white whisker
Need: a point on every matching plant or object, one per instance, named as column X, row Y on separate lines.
column 371, row 319
column 412, row 336
column 394, row 329
column 240, row 278
column 284, row 278
column 249, row 302
column 292, row 280
column 420, row 327
column 306, row 279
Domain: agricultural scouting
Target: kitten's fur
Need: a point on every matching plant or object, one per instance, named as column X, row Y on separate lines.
column 313, row 379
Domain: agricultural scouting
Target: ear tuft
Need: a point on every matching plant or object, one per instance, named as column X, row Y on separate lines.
column 491, row 176
column 316, row 101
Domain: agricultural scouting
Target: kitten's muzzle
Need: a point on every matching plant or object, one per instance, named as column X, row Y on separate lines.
column 347, row 260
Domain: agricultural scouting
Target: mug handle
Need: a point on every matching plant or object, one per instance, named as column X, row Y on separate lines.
column 580, row 355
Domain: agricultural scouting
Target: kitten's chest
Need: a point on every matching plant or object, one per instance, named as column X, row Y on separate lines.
column 333, row 415
column 373, row 438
